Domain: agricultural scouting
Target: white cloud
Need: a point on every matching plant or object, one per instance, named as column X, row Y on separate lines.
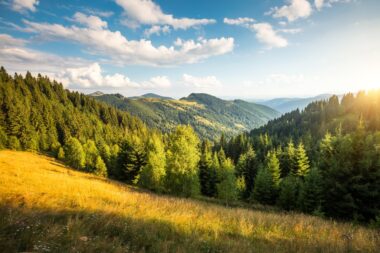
column 122, row 51
column 146, row 12
column 92, row 22
column 294, row 10
column 156, row 29
column 319, row 4
column 72, row 72
column 92, row 76
column 268, row 36
column 238, row 21
column 201, row 82
column 291, row 30
column 24, row 5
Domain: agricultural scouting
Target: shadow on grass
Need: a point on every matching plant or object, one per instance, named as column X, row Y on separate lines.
column 44, row 230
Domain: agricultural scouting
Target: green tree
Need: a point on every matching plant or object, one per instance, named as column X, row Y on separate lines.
column 273, row 166
column 153, row 172
column 288, row 195
column 182, row 162
column 207, row 172
column 92, row 154
column 14, row 143
column 227, row 188
column 74, row 154
column 100, row 167
column 264, row 189
column 61, row 154
column 311, row 192
column 247, row 168
column 303, row 164
column 132, row 158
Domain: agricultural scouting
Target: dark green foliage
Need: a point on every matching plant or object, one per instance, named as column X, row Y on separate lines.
column 227, row 188
column 264, row 190
column 311, row 192
column 207, row 172
column 208, row 115
column 246, row 168
column 288, row 195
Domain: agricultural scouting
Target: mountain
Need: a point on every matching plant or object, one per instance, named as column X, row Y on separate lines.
column 96, row 93
column 48, row 207
column 208, row 115
column 153, row 95
column 285, row 105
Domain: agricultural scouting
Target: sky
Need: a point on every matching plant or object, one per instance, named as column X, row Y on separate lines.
column 257, row 49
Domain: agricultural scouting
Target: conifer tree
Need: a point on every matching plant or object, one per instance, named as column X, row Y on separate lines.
column 207, row 173
column 273, row 166
column 247, row 168
column 264, row 190
column 303, row 165
column 61, row 154
column 288, row 195
column 311, row 192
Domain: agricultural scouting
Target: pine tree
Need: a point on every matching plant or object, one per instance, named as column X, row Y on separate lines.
column 273, row 166
column 14, row 143
column 311, row 192
column 288, row 195
column 264, row 190
column 207, row 173
column 91, row 153
column 303, row 165
column 132, row 159
column 247, row 168
column 182, row 162
column 100, row 167
column 74, row 154
column 153, row 173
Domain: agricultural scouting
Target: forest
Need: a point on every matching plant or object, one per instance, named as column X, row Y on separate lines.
column 324, row 160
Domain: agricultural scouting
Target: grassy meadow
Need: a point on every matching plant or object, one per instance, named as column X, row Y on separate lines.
column 46, row 207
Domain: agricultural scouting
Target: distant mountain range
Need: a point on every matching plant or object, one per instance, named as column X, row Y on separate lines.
column 285, row 105
column 208, row 115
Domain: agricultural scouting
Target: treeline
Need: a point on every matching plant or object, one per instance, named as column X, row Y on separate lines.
column 324, row 160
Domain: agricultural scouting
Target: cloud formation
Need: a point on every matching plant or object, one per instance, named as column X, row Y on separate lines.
column 91, row 76
column 146, row 12
column 91, row 21
column 295, row 9
column 113, row 45
column 319, row 4
column 268, row 36
column 201, row 82
column 238, row 21
column 156, row 29
column 24, row 5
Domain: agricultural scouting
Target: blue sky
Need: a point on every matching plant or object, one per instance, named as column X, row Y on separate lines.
column 246, row 48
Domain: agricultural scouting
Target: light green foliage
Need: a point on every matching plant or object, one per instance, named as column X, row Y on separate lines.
column 61, row 154
column 92, row 153
column 74, row 154
column 227, row 187
column 153, row 173
column 14, row 143
column 273, row 166
column 182, row 162
column 303, row 165
column 100, row 167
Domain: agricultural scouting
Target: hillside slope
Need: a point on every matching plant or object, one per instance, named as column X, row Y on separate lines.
column 285, row 105
column 208, row 115
column 46, row 207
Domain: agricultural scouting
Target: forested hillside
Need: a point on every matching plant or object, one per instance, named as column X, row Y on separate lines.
column 285, row 105
column 208, row 115
column 323, row 160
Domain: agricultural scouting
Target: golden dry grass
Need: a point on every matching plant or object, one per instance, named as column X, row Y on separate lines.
column 45, row 207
